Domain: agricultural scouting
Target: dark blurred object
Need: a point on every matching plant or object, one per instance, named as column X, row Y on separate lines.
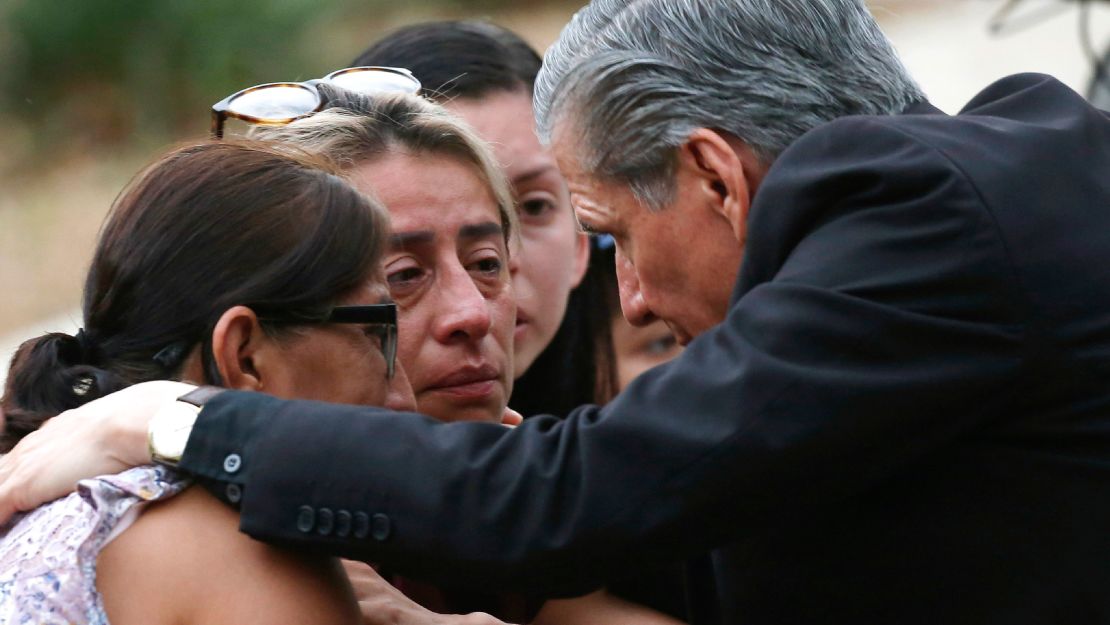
column 1098, row 91
column 1008, row 20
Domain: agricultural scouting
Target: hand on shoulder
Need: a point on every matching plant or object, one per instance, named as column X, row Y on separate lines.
column 105, row 436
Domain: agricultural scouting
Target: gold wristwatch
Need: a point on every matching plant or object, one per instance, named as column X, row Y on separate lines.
column 169, row 429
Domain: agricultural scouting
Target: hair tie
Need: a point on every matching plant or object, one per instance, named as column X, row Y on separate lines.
column 83, row 385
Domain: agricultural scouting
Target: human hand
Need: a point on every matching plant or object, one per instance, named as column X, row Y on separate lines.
column 382, row 604
column 107, row 435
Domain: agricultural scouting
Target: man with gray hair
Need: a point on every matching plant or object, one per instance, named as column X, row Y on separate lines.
column 893, row 406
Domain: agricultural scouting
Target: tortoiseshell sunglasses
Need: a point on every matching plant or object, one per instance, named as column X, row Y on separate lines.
column 278, row 103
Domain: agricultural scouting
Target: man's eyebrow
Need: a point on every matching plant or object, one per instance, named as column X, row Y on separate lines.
column 482, row 230
column 413, row 237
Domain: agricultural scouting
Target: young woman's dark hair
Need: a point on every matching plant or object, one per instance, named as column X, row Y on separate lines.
column 471, row 60
column 458, row 59
column 204, row 228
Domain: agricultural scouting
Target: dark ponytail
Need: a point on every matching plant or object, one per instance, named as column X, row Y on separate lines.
column 48, row 375
column 205, row 228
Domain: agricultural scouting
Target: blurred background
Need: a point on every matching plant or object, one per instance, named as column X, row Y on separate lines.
column 91, row 90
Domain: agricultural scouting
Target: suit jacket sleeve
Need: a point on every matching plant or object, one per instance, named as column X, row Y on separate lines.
column 876, row 321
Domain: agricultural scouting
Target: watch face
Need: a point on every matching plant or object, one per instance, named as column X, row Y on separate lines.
column 170, row 429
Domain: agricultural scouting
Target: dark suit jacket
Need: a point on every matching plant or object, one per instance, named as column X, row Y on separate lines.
column 905, row 417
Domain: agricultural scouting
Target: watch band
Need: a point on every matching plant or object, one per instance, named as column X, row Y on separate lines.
column 170, row 428
column 201, row 395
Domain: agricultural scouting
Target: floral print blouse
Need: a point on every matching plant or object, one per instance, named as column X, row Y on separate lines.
column 48, row 556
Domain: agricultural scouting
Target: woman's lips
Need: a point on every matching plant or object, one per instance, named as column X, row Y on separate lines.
column 472, row 382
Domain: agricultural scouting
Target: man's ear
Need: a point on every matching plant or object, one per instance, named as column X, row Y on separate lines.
column 728, row 174
column 237, row 341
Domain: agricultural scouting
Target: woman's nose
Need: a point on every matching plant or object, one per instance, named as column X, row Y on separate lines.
column 464, row 312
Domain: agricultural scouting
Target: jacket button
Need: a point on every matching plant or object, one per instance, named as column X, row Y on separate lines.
column 325, row 521
column 343, row 524
column 232, row 463
column 306, row 519
column 380, row 527
column 362, row 525
column 234, row 493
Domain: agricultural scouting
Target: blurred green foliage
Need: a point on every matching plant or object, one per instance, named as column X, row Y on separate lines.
column 82, row 74
column 102, row 71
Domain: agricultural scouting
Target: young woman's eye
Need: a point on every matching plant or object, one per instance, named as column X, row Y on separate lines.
column 537, row 207
column 660, row 346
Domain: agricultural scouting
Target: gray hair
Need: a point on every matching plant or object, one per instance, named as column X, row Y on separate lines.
column 355, row 129
column 636, row 77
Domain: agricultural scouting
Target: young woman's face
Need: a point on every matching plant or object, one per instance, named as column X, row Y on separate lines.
column 447, row 269
column 553, row 254
column 637, row 349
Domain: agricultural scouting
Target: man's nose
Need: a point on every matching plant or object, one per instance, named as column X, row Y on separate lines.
column 464, row 312
column 399, row 395
column 635, row 309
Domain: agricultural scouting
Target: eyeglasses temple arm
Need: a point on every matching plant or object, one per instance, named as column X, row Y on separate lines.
column 218, row 118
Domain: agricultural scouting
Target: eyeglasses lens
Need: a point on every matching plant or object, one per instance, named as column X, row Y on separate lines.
column 277, row 103
column 375, row 81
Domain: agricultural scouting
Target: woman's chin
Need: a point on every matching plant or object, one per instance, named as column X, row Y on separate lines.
column 526, row 348
column 451, row 409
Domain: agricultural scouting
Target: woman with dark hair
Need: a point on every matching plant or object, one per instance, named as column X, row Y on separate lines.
column 227, row 264
column 485, row 74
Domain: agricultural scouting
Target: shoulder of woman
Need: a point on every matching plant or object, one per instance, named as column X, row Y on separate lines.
column 185, row 560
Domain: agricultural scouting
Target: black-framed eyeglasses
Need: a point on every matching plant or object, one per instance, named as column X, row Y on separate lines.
column 381, row 319
column 280, row 103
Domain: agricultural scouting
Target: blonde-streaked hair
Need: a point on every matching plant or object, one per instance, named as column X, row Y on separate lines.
column 361, row 128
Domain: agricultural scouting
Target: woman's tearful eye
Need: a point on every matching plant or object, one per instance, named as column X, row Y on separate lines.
column 403, row 276
column 488, row 266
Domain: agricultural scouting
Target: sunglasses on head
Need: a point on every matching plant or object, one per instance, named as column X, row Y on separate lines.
column 280, row 103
